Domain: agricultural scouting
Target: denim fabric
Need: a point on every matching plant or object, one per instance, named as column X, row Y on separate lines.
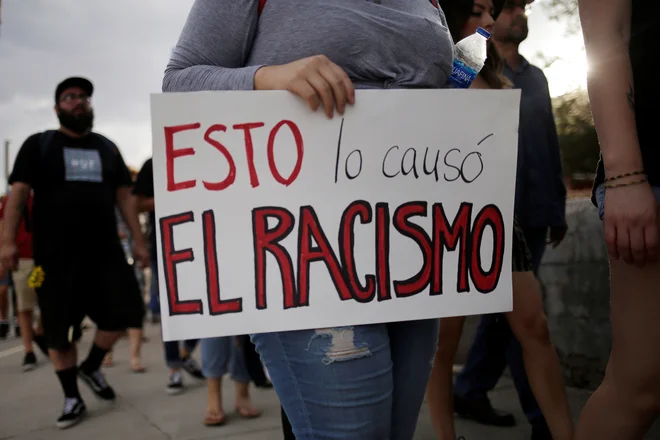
column 364, row 382
column 222, row 355
column 540, row 199
column 154, row 299
column 172, row 352
column 600, row 198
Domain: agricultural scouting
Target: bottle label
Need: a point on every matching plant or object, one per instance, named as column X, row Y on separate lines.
column 462, row 75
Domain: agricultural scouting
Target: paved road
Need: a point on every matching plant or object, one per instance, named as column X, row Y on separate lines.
column 30, row 403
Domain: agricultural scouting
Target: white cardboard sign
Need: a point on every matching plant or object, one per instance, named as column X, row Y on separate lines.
column 273, row 218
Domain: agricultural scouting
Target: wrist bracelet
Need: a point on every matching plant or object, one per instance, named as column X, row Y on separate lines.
column 619, row 185
column 621, row 176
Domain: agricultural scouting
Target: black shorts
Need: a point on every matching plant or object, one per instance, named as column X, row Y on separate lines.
column 105, row 290
column 521, row 256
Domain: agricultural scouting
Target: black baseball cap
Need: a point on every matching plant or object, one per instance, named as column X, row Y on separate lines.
column 74, row 81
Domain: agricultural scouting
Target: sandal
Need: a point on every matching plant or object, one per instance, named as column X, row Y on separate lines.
column 137, row 367
column 107, row 361
column 248, row 412
column 214, row 419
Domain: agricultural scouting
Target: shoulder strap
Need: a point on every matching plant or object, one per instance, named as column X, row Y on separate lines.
column 262, row 3
column 45, row 139
column 106, row 142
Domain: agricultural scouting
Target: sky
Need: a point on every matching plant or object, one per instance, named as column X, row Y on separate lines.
column 123, row 47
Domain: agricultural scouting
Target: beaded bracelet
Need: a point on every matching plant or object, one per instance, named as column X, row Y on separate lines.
column 619, row 185
column 621, row 176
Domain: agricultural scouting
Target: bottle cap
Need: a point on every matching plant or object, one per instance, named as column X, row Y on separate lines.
column 483, row 32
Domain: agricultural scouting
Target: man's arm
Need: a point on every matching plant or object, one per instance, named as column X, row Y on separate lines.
column 3, row 202
column 606, row 30
column 3, row 272
column 16, row 200
column 555, row 157
column 128, row 208
column 559, row 227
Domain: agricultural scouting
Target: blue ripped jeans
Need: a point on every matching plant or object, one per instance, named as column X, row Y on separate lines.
column 365, row 382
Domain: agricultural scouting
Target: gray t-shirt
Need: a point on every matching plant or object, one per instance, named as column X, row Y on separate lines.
column 384, row 44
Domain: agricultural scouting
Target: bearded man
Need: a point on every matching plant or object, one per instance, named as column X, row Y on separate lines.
column 77, row 178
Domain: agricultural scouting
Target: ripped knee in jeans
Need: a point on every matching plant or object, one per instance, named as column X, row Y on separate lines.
column 342, row 345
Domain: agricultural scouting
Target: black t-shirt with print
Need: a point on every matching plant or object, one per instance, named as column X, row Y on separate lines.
column 75, row 182
column 144, row 186
column 644, row 49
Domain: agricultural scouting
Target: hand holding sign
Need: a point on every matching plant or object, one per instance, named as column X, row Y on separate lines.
column 315, row 79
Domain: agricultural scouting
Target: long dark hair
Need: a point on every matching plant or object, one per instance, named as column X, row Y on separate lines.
column 457, row 13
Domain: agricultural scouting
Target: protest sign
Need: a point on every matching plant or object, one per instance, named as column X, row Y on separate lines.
column 272, row 217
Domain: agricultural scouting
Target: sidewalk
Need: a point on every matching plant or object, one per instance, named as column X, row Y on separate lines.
column 30, row 403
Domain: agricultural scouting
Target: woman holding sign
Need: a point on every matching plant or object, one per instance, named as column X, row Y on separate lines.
column 527, row 320
column 364, row 382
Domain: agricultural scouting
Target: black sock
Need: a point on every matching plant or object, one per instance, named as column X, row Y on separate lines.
column 94, row 359
column 69, row 381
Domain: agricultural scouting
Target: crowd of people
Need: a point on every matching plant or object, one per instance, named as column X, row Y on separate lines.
column 73, row 182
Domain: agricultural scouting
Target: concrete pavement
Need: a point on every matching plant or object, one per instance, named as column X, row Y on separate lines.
column 30, row 403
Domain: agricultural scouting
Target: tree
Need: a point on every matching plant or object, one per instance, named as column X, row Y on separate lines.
column 578, row 140
column 558, row 9
column 563, row 10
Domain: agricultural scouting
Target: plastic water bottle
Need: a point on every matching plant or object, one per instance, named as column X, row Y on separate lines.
column 471, row 54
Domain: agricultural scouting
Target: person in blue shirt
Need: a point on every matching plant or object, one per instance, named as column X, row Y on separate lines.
column 527, row 319
column 540, row 209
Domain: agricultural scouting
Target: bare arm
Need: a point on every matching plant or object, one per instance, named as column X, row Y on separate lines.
column 606, row 28
column 16, row 200
column 128, row 208
column 631, row 212
column 145, row 204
